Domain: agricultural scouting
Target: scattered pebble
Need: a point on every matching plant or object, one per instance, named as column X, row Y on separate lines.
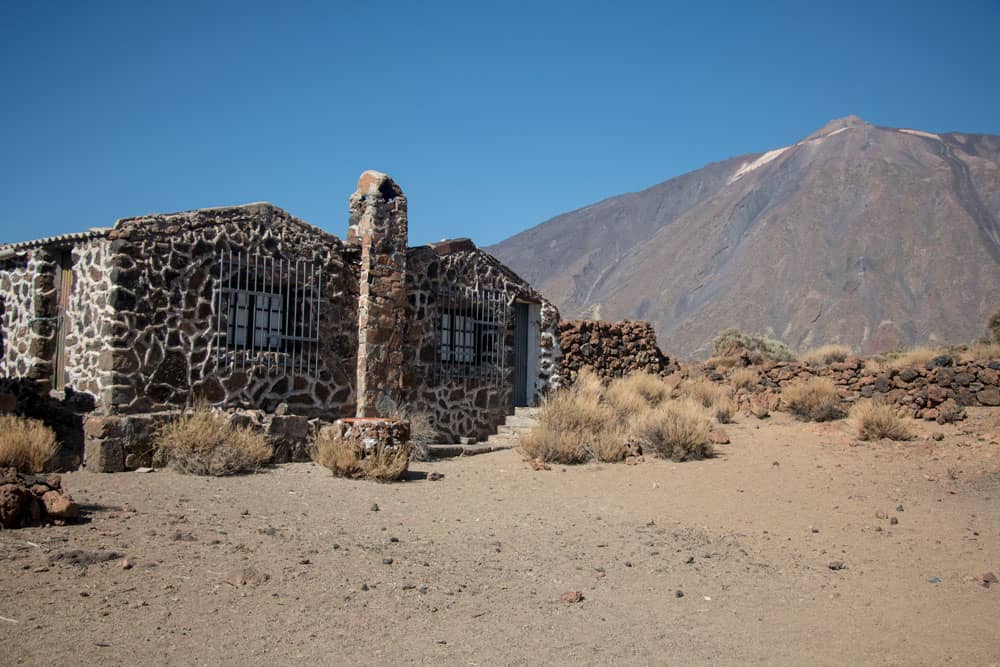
column 387, row 561
column 572, row 596
column 435, row 476
column 893, row 521
column 899, row 508
column 678, row 594
column 374, row 507
column 934, row 580
column 837, row 565
column 987, row 579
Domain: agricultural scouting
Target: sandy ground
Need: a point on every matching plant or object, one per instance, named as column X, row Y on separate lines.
column 293, row 565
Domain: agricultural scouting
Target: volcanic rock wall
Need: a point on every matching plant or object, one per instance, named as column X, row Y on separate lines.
column 87, row 312
column 610, row 349
column 29, row 312
column 937, row 391
column 163, row 350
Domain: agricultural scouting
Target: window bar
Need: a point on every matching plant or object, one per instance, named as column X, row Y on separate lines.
column 307, row 316
column 270, row 309
column 252, row 316
column 285, row 302
column 304, row 357
column 470, row 318
column 293, row 302
column 446, row 338
column 236, row 309
column 218, row 314
column 319, row 303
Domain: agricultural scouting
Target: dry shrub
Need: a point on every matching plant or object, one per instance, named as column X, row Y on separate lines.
column 916, row 357
column 744, row 378
column 724, row 409
column 342, row 457
column 876, row 364
column 422, row 432
column 203, row 442
column 705, row 392
column 588, row 385
column 984, row 351
column 815, row 399
column 635, row 392
column 571, row 425
column 873, row 420
column 826, row 355
column 730, row 342
column 26, row 444
column 676, row 430
column 721, row 362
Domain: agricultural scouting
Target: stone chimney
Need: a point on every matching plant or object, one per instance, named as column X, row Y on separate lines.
column 379, row 227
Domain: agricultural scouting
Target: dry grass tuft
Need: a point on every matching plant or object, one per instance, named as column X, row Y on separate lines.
column 635, row 393
column 422, row 432
column 826, row 355
column 916, row 357
column 873, row 420
column 815, row 399
column 744, row 378
column 984, row 351
column 26, row 444
column 676, row 430
column 570, row 428
column 202, row 442
column 705, row 392
column 724, row 409
column 342, row 457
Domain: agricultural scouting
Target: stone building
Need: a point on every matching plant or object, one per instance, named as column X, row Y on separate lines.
column 250, row 308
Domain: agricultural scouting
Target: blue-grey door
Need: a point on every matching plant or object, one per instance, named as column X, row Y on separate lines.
column 520, row 354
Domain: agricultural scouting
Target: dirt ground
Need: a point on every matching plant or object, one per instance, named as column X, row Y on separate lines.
column 724, row 561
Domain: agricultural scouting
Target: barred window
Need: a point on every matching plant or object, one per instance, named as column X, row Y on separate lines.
column 470, row 333
column 268, row 313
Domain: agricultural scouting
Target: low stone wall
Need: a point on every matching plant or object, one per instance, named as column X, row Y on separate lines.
column 118, row 443
column 938, row 391
column 610, row 349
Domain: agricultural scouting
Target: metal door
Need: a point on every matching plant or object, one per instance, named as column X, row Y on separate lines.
column 520, row 354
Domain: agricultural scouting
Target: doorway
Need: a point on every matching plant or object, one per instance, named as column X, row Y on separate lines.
column 527, row 327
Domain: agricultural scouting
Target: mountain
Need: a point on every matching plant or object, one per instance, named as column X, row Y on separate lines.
column 870, row 236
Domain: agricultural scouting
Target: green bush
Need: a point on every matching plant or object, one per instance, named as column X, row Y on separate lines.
column 733, row 341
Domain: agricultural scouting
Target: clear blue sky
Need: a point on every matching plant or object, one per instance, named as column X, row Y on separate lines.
column 491, row 119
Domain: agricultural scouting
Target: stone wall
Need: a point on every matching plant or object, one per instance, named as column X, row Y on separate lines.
column 938, row 391
column 27, row 283
column 163, row 344
column 610, row 349
column 470, row 407
column 88, row 314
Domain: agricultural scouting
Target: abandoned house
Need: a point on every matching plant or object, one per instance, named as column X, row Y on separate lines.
column 249, row 308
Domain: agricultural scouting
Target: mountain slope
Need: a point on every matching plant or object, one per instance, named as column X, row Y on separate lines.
column 874, row 237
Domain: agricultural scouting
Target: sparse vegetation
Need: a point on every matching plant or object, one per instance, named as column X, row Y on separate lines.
column 744, row 378
column 26, row 444
column 873, row 420
column 704, row 391
column 572, row 423
column 381, row 463
column 981, row 351
column 994, row 326
column 826, row 354
column 732, row 341
column 815, row 399
column 635, row 392
column 915, row 357
column 724, row 409
column 676, row 430
column 203, row 442
column 422, row 432
column 591, row 422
